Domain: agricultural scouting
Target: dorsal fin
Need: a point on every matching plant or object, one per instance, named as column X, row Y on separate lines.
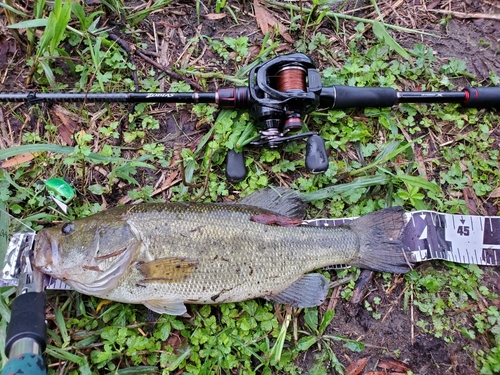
column 280, row 200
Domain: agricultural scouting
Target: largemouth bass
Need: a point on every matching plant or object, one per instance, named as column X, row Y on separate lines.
column 166, row 255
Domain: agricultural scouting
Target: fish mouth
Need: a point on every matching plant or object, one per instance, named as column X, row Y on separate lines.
column 46, row 255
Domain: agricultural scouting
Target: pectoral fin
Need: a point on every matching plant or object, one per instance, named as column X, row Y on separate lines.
column 167, row 269
column 171, row 307
column 309, row 291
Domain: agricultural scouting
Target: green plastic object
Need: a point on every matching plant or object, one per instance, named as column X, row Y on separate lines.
column 60, row 189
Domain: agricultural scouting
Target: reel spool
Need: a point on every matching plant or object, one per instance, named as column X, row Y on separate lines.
column 281, row 92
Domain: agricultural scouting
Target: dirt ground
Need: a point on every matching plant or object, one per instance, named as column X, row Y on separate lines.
column 472, row 33
column 396, row 332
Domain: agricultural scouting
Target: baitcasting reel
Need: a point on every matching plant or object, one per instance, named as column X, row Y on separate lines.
column 280, row 92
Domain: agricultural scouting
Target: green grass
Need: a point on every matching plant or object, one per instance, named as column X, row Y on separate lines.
column 374, row 162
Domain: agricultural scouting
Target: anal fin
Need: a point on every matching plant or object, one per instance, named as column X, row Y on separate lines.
column 309, row 291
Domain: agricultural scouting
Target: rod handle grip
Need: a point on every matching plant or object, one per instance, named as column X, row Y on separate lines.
column 27, row 320
column 343, row 97
column 482, row 97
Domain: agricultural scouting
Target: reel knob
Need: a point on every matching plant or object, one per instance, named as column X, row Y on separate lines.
column 316, row 156
column 235, row 166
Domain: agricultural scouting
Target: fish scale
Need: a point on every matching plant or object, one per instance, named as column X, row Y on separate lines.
column 167, row 254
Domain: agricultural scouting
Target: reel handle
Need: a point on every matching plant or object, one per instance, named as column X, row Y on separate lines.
column 316, row 155
column 235, row 166
column 316, row 158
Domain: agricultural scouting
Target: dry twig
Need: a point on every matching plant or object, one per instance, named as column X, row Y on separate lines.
column 467, row 15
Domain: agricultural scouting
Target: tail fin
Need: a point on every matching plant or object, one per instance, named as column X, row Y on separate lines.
column 380, row 246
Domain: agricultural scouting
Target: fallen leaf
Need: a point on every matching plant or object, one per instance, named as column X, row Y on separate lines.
column 356, row 367
column 18, row 159
column 432, row 5
column 101, row 304
column 471, row 201
column 361, row 287
column 391, row 364
column 214, row 16
column 66, row 126
column 253, row 52
column 495, row 193
column 174, row 341
column 265, row 20
column 168, row 182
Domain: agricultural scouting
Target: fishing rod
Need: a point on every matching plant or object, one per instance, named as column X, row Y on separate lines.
column 280, row 92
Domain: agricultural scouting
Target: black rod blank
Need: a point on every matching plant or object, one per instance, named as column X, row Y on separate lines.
column 101, row 97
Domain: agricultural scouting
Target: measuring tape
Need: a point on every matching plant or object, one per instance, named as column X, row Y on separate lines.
column 429, row 235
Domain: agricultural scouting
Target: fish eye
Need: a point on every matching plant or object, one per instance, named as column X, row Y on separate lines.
column 67, row 228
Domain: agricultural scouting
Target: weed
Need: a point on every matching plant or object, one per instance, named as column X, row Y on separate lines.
column 325, row 356
column 135, row 18
column 238, row 47
column 373, row 163
column 457, row 291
